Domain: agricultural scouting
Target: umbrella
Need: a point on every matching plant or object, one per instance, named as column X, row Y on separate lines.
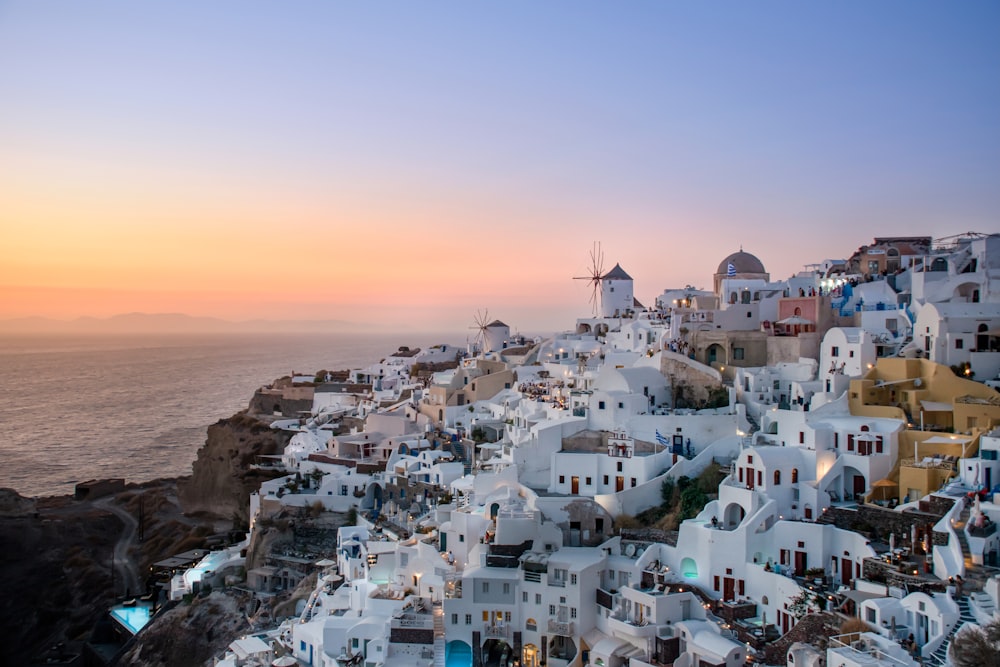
column 795, row 319
column 284, row 661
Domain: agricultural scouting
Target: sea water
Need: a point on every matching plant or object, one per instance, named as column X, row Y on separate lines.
column 74, row 408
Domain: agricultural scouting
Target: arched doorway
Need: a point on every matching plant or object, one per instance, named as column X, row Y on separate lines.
column 530, row 656
column 689, row 568
column 733, row 516
column 715, row 354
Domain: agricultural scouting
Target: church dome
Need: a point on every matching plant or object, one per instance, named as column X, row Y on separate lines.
column 743, row 262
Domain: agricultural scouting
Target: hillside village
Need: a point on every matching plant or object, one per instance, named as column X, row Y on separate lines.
column 793, row 471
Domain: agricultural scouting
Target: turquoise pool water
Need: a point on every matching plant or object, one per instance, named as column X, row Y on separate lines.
column 457, row 654
column 134, row 617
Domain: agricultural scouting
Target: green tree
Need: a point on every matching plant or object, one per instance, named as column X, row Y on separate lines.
column 693, row 500
column 976, row 647
column 667, row 491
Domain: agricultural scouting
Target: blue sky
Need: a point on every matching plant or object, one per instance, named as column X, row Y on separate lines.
column 670, row 131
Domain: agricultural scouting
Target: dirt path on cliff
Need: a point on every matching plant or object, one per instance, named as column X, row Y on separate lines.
column 126, row 567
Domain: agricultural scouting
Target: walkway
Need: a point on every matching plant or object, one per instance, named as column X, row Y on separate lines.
column 127, row 571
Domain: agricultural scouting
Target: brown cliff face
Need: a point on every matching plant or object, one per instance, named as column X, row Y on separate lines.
column 222, row 476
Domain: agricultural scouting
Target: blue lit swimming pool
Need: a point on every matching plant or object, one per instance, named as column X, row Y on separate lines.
column 134, row 617
column 457, row 654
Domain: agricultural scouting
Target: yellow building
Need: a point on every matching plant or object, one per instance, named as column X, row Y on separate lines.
column 945, row 416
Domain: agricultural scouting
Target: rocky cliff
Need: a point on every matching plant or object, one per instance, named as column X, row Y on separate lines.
column 222, row 475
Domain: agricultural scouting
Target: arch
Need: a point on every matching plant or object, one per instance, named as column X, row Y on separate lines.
column 583, row 328
column 756, row 296
column 939, row 264
column 715, row 353
column 795, row 475
column 798, row 312
column 777, row 478
column 982, row 338
column 457, row 654
column 689, row 568
column 733, row 516
column 732, row 297
column 530, row 655
column 864, row 427
column 745, row 296
column 494, row 510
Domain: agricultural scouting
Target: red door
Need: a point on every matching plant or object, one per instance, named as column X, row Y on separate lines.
column 845, row 571
column 728, row 588
column 800, row 563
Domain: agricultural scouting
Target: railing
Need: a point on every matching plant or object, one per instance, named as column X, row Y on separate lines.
column 561, row 627
column 560, row 583
column 500, row 631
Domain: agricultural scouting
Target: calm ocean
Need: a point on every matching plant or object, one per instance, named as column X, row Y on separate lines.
column 74, row 408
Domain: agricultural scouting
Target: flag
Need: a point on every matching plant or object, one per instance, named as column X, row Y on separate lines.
column 660, row 440
column 730, row 270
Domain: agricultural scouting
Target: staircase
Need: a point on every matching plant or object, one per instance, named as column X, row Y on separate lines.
column 960, row 531
column 458, row 449
column 438, row 635
column 940, row 657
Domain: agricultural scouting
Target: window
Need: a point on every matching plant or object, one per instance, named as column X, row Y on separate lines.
column 461, row 537
column 468, row 619
column 506, row 589
column 834, row 351
column 538, row 598
column 486, row 587
column 552, row 610
column 605, row 479
column 486, row 615
column 572, row 612
column 777, row 478
column 959, row 343
column 738, row 352
column 589, row 481
column 454, row 619
column 562, row 479
column 795, row 475
column 572, row 579
column 524, row 596
column 633, row 481
column 619, row 466
column 802, row 438
column 621, row 405
column 600, row 405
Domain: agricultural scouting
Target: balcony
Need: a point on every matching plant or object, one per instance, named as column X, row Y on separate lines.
column 631, row 627
column 564, row 628
column 497, row 630
column 558, row 583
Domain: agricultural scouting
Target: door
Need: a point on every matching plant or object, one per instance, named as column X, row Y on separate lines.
column 728, row 588
column 749, row 476
column 988, row 478
column 619, row 483
column 845, row 571
column 859, row 486
column 800, row 563
column 575, row 490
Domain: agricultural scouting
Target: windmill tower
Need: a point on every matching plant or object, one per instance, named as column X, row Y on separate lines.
column 595, row 276
column 617, row 297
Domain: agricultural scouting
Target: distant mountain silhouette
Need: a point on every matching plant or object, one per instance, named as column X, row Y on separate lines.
column 172, row 323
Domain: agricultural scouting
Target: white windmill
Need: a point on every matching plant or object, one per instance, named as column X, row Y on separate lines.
column 481, row 327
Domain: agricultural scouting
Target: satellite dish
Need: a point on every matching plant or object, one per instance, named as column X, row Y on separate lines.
column 630, row 550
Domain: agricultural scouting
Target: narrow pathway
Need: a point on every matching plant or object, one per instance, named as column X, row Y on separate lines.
column 128, row 579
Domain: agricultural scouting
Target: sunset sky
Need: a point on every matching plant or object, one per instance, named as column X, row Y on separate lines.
column 385, row 162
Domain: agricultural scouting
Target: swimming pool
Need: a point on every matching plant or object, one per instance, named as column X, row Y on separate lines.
column 457, row 654
column 134, row 617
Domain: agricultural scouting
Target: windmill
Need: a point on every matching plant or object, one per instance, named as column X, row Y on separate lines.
column 482, row 323
column 596, row 273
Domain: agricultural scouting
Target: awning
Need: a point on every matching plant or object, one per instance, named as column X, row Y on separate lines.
column 795, row 319
column 857, row 597
column 936, row 406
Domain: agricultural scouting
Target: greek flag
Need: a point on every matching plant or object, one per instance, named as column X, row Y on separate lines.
column 730, row 270
column 660, row 440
